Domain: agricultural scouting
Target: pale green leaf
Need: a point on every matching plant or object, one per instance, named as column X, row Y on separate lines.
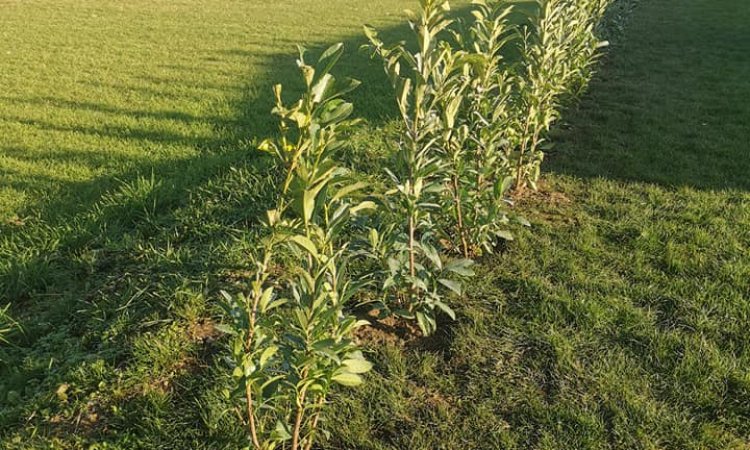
column 347, row 379
column 452, row 285
column 347, row 190
column 306, row 244
column 308, row 204
column 357, row 365
column 267, row 354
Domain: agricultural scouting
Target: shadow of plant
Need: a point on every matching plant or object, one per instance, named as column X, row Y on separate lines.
column 98, row 272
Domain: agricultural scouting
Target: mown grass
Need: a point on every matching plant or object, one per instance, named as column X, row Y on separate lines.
column 619, row 320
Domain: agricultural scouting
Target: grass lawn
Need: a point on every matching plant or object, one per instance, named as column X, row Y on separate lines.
column 619, row 320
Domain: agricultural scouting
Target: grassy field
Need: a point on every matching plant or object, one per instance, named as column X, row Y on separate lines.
column 129, row 192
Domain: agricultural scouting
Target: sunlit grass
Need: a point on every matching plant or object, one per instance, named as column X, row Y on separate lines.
column 93, row 91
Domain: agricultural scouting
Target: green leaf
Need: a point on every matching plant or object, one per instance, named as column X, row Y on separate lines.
column 432, row 254
column 523, row 221
column 361, row 323
column 454, row 286
column 226, row 329
column 461, row 267
column 347, row 379
column 403, row 313
column 308, row 204
column 357, row 365
column 451, row 110
column 227, row 296
column 273, row 216
column 267, row 354
column 324, row 344
column 329, row 58
column 446, row 309
column 346, row 86
column 505, row 235
column 336, row 111
column 281, row 432
column 404, row 90
column 363, row 206
column 270, row 382
column 267, row 146
column 347, row 190
column 505, row 185
column 372, row 35
column 275, row 304
column 374, row 237
column 322, row 87
column 426, row 323
column 306, row 244
column 265, row 298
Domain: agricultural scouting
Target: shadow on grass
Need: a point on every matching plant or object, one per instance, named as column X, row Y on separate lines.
column 666, row 106
column 96, row 268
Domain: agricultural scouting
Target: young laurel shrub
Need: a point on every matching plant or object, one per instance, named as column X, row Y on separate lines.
column 481, row 175
column 291, row 333
column 585, row 49
column 558, row 50
column 416, row 278
column 451, row 87
column 473, row 106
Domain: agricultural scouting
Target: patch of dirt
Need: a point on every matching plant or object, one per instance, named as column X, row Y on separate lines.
column 432, row 398
column 238, row 277
column 543, row 195
column 85, row 420
column 166, row 383
column 203, row 331
column 401, row 332
column 546, row 205
column 15, row 221
column 390, row 330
